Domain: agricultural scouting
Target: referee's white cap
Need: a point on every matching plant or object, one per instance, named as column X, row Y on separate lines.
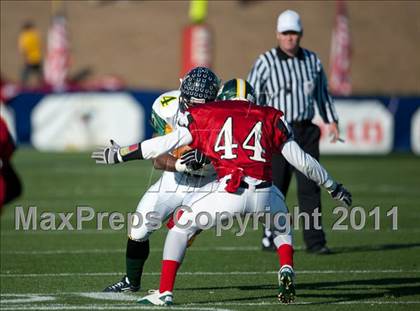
column 289, row 21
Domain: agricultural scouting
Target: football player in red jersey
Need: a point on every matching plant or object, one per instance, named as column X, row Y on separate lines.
column 163, row 197
column 239, row 138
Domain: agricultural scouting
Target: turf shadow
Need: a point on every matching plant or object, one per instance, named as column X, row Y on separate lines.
column 357, row 290
column 339, row 291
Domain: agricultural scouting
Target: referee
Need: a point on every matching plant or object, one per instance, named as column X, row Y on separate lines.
column 291, row 79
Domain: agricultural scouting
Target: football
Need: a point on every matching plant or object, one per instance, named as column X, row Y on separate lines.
column 178, row 152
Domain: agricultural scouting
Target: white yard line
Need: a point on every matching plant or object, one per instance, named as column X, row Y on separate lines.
column 199, row 307
column 106, row 307
column 209, row 273
column 14, row 301
column 122, row 250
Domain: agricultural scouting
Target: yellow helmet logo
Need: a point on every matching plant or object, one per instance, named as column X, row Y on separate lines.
column 166, row 100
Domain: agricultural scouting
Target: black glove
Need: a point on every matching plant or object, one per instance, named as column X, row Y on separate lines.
column 194, row 159
column 341, row 194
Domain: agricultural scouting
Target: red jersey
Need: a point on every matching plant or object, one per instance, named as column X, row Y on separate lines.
column 6, row 142
column 239, row 137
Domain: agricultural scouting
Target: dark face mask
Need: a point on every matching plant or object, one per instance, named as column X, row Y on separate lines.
column 183, row 103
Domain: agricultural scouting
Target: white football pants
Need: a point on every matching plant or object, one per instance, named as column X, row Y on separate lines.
column 213, row 204
column 160, row 201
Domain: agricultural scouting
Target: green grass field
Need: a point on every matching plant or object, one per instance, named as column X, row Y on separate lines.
column 67, row 270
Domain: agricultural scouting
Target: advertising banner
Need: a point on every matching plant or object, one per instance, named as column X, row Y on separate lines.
column 83, row 121
column 415, row 132
column 366, row 127
column 196, row 47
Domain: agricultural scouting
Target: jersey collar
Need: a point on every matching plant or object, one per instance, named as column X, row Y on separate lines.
column 283, row 56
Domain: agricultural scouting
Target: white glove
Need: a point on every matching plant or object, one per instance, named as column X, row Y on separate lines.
column 108, row 155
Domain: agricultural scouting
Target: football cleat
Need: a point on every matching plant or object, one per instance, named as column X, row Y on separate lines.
column 286, row 285
column 121, row 286
column 157, row 299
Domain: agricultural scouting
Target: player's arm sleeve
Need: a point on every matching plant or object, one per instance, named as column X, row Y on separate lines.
column 323, row 98
column 157, row 146
column 306, row 164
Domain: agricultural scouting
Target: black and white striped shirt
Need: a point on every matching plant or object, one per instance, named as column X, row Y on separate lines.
column 292, row 85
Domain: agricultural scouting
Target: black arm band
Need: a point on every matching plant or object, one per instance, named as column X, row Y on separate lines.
column 133, row 155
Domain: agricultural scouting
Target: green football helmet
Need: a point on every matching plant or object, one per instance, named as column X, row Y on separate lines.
column 236, row 89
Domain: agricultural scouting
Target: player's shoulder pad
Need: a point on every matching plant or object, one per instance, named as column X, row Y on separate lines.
column 185, row 119
column 167, row 104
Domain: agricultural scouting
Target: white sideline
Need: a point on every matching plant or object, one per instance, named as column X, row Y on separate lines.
column 200, row 273
column 17, row 302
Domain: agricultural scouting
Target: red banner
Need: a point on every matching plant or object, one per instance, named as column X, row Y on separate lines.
column 196, row 47
column 340, row 83
column 57, row 62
